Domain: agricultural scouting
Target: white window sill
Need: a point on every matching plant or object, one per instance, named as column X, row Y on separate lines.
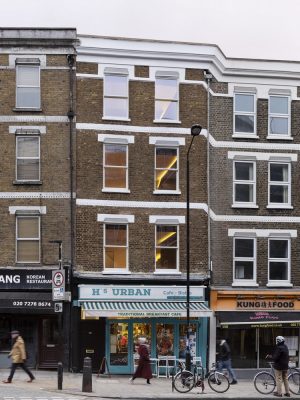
column 245, row 136
column 279, row 137
column 280, row 206
column 279, row 284
column 116, row 119
column 246, row 284
column 165, row 121
column 167, row 192
column 116, row 272
column 244, row 206
column 115, row 190
column 167, row 272
column 31, row 109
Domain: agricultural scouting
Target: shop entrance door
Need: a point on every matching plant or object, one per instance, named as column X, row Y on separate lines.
column 49, row 343
column 119, row 351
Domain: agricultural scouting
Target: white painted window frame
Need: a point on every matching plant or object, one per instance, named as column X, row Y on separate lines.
column 288, row 184
column 250, row 204
column 167, row 271
column 159, row 191
column 109, row 189
column 164, row 75
column 286, row 282
column 27, row 239
column 245, row 282
column 274, row 115
column 115, row 72
column 116, row 219
column 252, row 114
column 28, row 158
column 32, row 65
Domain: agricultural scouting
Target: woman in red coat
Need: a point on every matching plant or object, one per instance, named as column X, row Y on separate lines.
column 144, row 368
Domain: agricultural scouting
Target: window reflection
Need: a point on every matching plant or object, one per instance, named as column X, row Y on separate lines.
column 166, row 168
column 115, row 246
column 115, row 166
column 166, row 247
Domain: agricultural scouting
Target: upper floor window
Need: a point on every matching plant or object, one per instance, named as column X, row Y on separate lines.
column 279, row 184
column 115, row 246
column 28, row 85
column 28, row 239
column 27, row 158
column 166, row 247
column 244, row 260
column 115, row 94
column 166, row 97
column 244, row 184
column 244, row 113
column 115, row 166
column 166, row 169
column 279, row 116
column 279, row 260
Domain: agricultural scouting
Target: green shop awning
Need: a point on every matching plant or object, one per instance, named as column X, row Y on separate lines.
column 143, row 309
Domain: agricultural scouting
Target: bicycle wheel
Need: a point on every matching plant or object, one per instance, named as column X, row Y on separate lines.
column 218, row 382
column 184, row 381
column 264, row 382
column 294, row 382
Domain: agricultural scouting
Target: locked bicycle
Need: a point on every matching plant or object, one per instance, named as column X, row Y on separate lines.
column 184, row 381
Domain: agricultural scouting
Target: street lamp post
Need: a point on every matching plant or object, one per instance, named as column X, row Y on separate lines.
column 195, row 131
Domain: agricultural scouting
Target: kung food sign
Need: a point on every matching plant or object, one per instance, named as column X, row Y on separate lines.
column 267, row 304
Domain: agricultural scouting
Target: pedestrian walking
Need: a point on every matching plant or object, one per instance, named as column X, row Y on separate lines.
column 280, row 357
column 18, row 357
column 144, row 368
column 225, row 361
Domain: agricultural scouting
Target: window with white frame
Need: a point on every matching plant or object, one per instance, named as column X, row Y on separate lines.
column 166, row 98
column 115, row 246
column 115, row 166
column 28, row 85
column 28, row 239
column 279, row 184
column 166, row 247
column 279, row 116
column 27, row 158
column 116, row 95
column 279, row 260
column 244, row 259
column 244, row 113
column 166, row 168
column 244, row 183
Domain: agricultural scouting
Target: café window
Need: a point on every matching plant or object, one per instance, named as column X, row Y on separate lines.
column 244, row 260
column 279, row 261
column 28, row 239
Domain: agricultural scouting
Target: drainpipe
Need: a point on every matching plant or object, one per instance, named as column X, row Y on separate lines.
column 212, row 319
column 71, row 115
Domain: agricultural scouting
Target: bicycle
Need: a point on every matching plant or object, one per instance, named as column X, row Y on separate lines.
column 264, row 381
column 184, row 381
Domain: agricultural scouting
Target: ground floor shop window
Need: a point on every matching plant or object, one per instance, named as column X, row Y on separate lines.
column 249, row 346
column 118, row 344
column 141, row 330
column 165, row 339
column 192, row 338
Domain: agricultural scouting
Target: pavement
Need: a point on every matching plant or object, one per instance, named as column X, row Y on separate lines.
column 117, row 387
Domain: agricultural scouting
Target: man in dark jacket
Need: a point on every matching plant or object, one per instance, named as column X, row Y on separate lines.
column 280, row 357
column 225, row 361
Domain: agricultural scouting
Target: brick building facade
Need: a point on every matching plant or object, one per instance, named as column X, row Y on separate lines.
column 35, row 70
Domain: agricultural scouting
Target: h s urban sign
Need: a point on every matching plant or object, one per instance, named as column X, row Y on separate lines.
column 16, row 279
column 149, row 293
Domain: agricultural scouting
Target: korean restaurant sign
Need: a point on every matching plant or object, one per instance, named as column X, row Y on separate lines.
column 15, row 279
column 282, row 304
column 136, row 293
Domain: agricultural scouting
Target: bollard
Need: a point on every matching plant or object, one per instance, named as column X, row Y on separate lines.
column 60, row 372
column 87, row 375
